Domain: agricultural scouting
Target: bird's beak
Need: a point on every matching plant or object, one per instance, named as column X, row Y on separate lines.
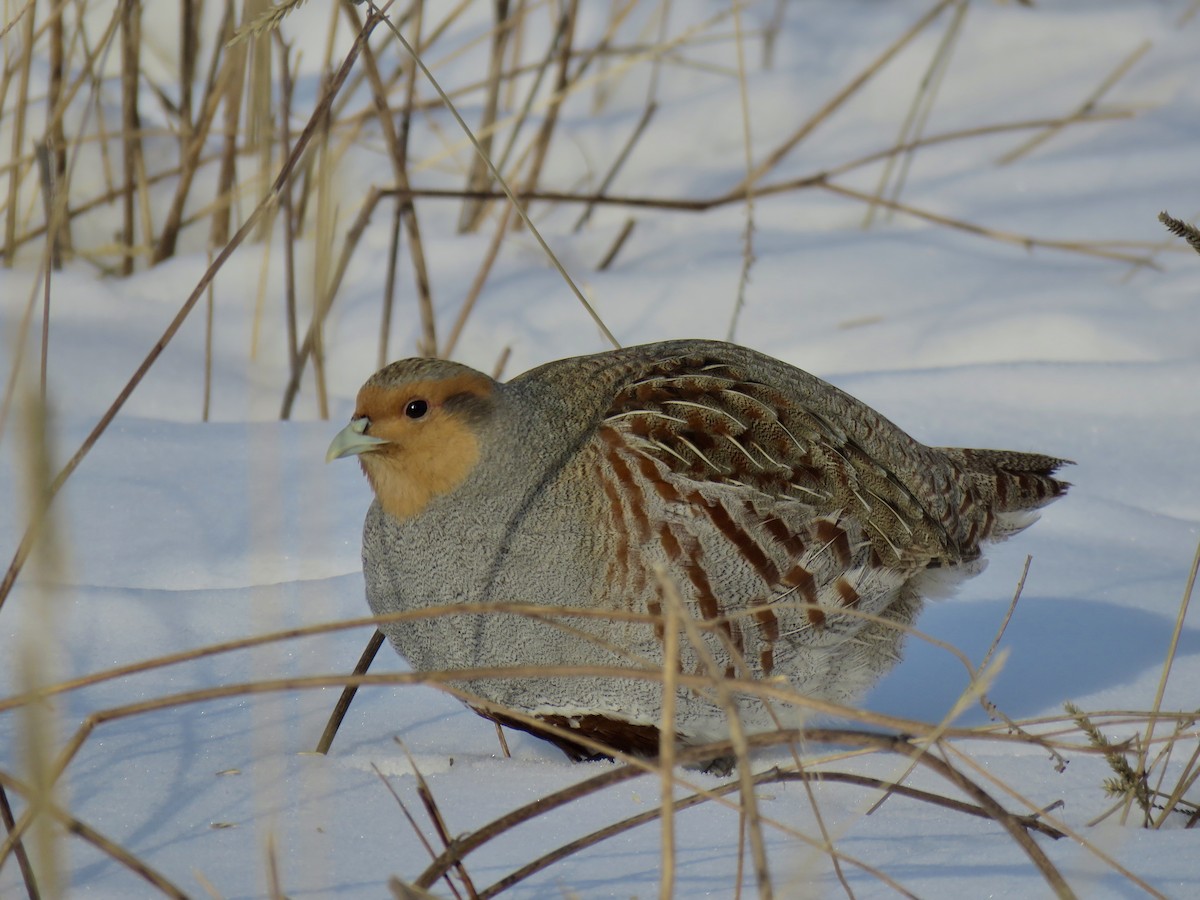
column 352, row 440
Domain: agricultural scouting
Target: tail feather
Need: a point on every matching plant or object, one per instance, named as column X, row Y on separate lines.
column 1013, row 485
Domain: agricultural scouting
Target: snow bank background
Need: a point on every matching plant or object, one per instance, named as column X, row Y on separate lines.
column 176, row 533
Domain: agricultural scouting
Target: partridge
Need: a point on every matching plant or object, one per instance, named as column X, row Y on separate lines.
column 800, row 528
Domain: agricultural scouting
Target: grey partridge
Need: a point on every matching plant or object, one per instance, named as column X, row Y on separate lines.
column 799, row 526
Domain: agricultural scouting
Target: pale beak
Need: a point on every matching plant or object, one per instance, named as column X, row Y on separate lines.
column 353, row 440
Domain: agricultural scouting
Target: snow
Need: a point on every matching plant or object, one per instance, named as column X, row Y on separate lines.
column 176, row 534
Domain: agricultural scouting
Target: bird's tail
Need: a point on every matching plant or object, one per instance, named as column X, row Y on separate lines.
column 1012, row 484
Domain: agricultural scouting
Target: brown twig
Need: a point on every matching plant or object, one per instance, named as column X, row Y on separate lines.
column 347, row 697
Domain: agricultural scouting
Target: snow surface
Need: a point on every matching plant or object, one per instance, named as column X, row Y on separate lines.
column 178, row 534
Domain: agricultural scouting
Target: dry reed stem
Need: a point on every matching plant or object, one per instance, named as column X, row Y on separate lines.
column 840, row 98
column 671, row 666
column 58, row 213
column 478, row 177
column 618, row 242
column 287, row 87
column 389, row 284
column 1006, row 237
column 56, row 139
column 1168, row 661
column 618, row 163
column 409, row 816
column 325, row 284
column 1053, row 821
column 347, row 696
column 920, row 109
column 131, row 125
column 194, row 136
column 16, row 173
column 573, row 86
column 425, row 794
column 991, row 708
column 987, row 807
column 398, row 152
column 680, row 204
column 349, row 244
column 503, row 184
column 648, row 111
column 546, row 614
column 562, row 82
column 975, row 689
column 771, row 776
column 518, row 123
column 1088, row 105
column 274, row 887
column 737, row 734
column 399, row 214
column 444, row 679
column 161, row 704
column 477, row 283
column 23, row 863
column 31, row 532
column 739, row 301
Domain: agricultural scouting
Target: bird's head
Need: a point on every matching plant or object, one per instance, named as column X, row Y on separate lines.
column 415, row 431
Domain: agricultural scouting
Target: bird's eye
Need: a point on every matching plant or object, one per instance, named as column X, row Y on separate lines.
column 416, row 409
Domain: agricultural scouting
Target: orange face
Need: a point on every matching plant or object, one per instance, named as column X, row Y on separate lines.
column 415, row 441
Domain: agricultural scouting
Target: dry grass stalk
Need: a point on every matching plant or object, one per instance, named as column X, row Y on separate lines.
column 478, row 177
column 618, row 242
column 666, row 734
column 501, row 163
column 28, row 876
column 439, row 823
column 19, row 164
column 694, row 682
column 347, row 696
column 541, row 143
column 408, row 815
column 389, row 285
column 31, row 531
column 1168, row 661
column 507, row 191
column 353, row 235
column 289, row 211
column 840, row 98
column 397, row 144
column 1062, row 827
column 476, row 288
column 739, row 302
column 738, row 743
column 223, row 70
column 55, row 141
column 1085, row 108
column 919, row 110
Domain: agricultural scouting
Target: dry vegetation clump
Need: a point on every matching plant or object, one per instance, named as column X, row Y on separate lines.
column 125, row 154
